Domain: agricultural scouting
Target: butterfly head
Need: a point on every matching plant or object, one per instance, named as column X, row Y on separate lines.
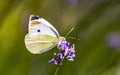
column 61, row 39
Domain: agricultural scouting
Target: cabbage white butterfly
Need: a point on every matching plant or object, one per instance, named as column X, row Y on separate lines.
column 42, row 36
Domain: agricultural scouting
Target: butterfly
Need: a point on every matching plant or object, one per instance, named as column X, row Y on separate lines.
column 42, row 36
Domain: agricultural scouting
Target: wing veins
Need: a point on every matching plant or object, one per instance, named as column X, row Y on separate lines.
column 40, row 42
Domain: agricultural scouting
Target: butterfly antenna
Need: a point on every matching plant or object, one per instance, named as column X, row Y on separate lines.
column 74, row 38
column 70, row 31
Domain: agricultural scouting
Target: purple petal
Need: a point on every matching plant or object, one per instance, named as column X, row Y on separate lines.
column 51, row 61
column 63, row 45
column 113, row 40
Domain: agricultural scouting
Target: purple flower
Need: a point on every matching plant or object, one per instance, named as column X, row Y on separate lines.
column 72, row 2
column 113, row 40
column 65, row 52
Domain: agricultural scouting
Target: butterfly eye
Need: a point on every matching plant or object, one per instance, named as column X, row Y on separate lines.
column 38, row 30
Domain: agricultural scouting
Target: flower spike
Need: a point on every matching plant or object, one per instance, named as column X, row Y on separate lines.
column 65, row 52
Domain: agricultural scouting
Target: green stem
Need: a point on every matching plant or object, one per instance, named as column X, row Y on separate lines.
column 58, row 67
column 57, row 70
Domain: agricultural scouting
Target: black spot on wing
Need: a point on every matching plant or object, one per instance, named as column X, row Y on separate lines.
column 33, row 17
column 38, row 30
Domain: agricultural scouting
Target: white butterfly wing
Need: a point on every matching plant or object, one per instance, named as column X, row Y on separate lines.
column 42, row 36
column 43, row 25
column 38, row 44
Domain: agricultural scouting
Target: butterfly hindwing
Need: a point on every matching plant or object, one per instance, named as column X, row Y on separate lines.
column 40, row 43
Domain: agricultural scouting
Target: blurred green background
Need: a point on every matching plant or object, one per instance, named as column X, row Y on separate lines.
column 97, row 25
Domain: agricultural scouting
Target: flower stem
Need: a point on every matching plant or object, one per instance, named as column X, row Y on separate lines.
column 57, row 70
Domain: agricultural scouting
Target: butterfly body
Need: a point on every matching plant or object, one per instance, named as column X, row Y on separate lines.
column 42, row 36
